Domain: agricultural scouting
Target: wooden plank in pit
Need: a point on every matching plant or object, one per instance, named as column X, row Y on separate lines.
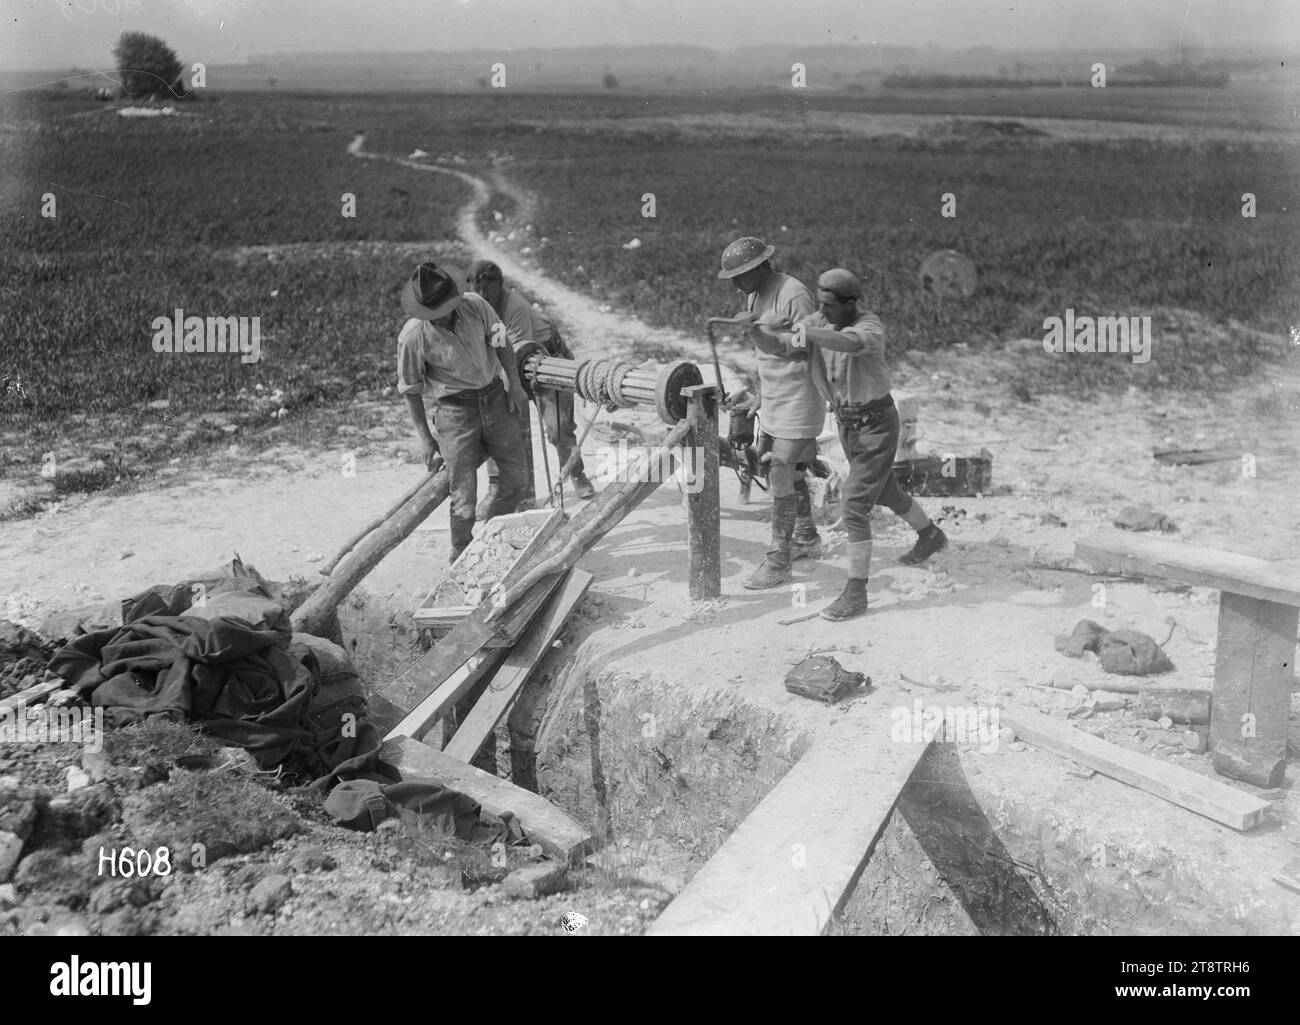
column 510, row 678
column 793, row 863
column 417, row 721
column 1122, row 552
column 1207, row 797
column 558, row 834
column 449, row 654
column 517, row 619
column 474, row 632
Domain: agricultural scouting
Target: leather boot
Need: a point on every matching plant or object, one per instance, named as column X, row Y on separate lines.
column 852, row 601
column 807, row 543
column 582, row 487
column 929, row 539
column 775, row 569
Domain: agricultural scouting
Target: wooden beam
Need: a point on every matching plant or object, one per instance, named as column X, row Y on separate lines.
column 351, row 542
column 421, row 718
column 559, row 834
column 1254, row 659
column 1187, row 789
column 513, row 674
column 313, row 616
column 703, row 537
column 793, row 863
column 1192, row 564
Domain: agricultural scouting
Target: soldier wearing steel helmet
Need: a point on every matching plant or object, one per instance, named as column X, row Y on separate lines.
column 792, row 412
column 845, row 344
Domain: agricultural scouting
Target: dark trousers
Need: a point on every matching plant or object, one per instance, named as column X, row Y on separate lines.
column 468, row 423
column 557, row 422
column 870, row 443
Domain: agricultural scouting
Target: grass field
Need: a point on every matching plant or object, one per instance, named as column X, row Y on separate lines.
column 156, row 214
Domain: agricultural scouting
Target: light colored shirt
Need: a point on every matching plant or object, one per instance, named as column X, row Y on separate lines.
column 851, row 377
column 791, row 407
column 442, row 361
column 523, row 323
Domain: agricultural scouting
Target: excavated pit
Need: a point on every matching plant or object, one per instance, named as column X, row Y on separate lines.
column 661, row 723
column 663, row 763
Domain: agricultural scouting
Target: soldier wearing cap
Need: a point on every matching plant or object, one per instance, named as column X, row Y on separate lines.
column 525, row 324
column 792, row 411
column 846, row 347
column 454, row 348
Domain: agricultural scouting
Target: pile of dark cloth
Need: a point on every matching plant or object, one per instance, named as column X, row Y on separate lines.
column 219, row 651
column 1124, row 652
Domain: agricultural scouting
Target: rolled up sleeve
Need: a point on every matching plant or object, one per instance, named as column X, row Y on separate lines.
column 410, row 364
column 869, row 334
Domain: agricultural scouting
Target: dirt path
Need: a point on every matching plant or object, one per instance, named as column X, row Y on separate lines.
column 596, row 333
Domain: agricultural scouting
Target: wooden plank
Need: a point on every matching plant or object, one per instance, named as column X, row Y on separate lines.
column 514, row 673
column 704, row 543
column 1116, row 551
column 1253, row 665
column 1186, row 789
column 559, row 834
column 34, row 694
column 793, row 863
column 417, row 722
column 450, row 653
column 475, row 632
column 542, row 569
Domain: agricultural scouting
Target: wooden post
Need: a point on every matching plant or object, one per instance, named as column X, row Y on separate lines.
column 1254, row 660
column 704, row 541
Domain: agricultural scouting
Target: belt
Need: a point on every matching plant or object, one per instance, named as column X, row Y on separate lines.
column 854, row 415
column 469, row 396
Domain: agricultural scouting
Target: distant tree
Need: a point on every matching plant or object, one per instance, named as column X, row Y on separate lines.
column 147, row 67
column 610, row 81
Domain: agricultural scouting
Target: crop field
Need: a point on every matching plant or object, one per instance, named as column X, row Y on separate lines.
column 167, row 213
column 234, row 208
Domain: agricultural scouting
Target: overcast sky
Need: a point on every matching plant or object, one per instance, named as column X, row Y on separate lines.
column 62, row 33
